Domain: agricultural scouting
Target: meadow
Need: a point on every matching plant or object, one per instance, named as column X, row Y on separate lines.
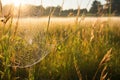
column 88, row 49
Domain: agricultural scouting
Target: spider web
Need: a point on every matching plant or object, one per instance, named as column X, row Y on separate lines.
column 31, row 49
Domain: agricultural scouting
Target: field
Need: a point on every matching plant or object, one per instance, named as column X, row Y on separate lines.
column 86, row 49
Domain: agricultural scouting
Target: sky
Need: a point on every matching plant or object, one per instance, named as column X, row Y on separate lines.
column 68, row 4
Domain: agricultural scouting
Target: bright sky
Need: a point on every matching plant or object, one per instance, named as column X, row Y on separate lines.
column 68, row 4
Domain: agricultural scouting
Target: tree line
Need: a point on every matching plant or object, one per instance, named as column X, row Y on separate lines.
column 37, row 11
column 111, row 7
column 97, row 9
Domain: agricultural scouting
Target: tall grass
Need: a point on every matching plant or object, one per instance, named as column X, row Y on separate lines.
column 88, row 52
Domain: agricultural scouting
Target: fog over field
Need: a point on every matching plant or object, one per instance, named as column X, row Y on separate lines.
column 43, row 21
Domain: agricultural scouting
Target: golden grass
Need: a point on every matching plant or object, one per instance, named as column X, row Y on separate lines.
column 76, row 46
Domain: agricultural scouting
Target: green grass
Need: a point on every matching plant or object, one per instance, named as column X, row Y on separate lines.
column 74, row 51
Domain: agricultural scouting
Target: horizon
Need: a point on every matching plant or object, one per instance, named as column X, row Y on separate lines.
column 46, row 3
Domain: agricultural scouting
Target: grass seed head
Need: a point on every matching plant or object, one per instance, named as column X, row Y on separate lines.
column 106, row 57
column 103, row 73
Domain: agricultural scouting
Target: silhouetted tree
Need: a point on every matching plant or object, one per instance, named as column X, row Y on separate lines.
column 57, row 11
column 95, row 7
column 48, row 10
column 114, row 6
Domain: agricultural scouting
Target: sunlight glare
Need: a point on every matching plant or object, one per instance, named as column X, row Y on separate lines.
column 16, row 3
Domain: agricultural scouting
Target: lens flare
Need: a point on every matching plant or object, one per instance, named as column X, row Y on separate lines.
column 16, row 3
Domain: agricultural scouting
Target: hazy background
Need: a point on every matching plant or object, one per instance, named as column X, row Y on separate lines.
column 68, row 4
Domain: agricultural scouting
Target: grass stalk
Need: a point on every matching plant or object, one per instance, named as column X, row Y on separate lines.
column 17, row 23
column 49, row 18
column 105, row 59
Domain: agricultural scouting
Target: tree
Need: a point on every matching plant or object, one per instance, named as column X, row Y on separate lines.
column 95, row 7
column 57, row 11
column 114, row 6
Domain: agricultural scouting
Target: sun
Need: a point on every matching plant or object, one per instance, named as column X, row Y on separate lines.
column 16, row 3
